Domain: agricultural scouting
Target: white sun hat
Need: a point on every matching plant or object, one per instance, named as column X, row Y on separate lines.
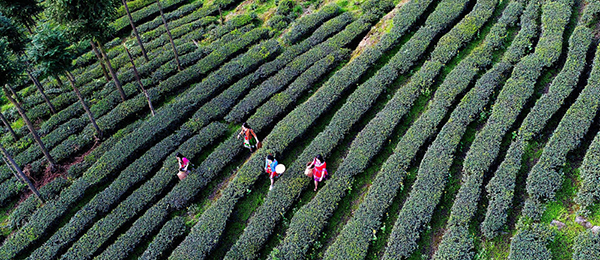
column 280, row 168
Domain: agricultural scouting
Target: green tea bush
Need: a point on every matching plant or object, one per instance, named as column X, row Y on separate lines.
column 171, row 232
column 586, row 246
column 358, row 232
column 501, row 187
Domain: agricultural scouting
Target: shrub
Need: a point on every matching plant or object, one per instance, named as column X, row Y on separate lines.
column 586, row 246
column 171, row 232
column 530, row 241
column 589, row 192
column 546, row 176
column 432, row 175
column 310, row 22
column 21, row 214
column 501, row 186
column 358, row 232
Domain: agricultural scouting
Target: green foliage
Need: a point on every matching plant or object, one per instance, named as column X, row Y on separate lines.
column 9, row 68
column 85, row 19
column 51, row 51
column 19, row 216
column 586, row 246
column 22, row 11
column 501, row 186
column 104, row 201
column 530, row 242
column 13, row 34
column 368, row 142
column 172, row 231
column 310, row 22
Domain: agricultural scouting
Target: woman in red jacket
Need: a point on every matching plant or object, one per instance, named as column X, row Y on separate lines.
column 319, row 171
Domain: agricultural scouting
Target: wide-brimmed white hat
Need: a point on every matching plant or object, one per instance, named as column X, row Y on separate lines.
column 280, row 168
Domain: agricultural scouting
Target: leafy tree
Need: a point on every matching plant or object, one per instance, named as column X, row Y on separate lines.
column 88, row 19
column 10, row 70
column 17, row 42
column 22, row 11
column 51, row 50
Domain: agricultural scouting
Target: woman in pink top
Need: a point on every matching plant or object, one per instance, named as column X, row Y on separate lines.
column 183, row 165
column 319, row 171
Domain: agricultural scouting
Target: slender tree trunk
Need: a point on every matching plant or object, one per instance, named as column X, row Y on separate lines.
column 139, row 81
column 17, row 97
column 85, row 107
column 135, row 31
column 36, row 137
column 20, row 172
column 162, row 15
column 38, row 85
column 221, row 15
column 7, row 124
column 112, row 73
column 59, row 81
column 100, row 60
column 12, row 169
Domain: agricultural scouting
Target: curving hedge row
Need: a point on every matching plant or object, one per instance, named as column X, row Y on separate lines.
column 432, row 176
column 19, row 216
column 276, row 83
column 155, row 127
column 366, row 145
column 171, row 232
column 546, row 176
column 586, row 246
column 589, row 192
column 501, row 187
column 77, row 170
column 358, row 232
column 310, row 22
column 532, row 241
column 104, row 201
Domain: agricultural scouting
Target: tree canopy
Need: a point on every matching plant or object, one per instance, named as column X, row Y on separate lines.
column 51, row 50
column 9, row 68
column 85, row 19
column 13, row 34
column 22, row 11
